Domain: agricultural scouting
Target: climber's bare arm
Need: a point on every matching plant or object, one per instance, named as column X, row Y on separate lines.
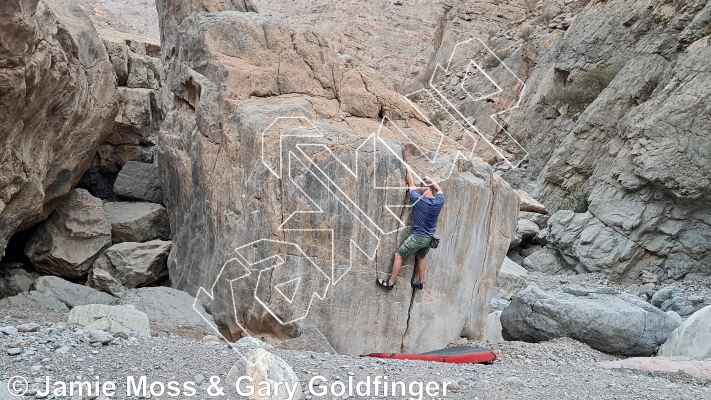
column 410, row 182
column 431, row 183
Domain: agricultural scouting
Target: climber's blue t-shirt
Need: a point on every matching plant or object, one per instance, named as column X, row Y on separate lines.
column 426, row 213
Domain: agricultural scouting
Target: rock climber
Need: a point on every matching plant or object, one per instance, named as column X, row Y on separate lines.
column 427, row 201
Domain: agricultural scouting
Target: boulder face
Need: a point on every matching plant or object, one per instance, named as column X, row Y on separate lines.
column 139, row 181
column 129, row 265
column 57, row 101
column 71, row 294
column 167, row 308
column 110, row 318
column 601, row 317
column 242, row 192
column 637, row 157
column 68, row 242
column 692, row 339
column 134, row 221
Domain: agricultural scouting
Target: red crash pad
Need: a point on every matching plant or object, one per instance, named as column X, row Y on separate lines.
column 453, row 355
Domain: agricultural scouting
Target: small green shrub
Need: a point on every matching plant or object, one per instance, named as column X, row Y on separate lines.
column 576, row 198
column 584, row 90
column 436, row 119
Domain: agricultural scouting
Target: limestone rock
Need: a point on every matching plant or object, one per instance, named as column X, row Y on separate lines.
column 603, row 318
column 14, row 280
column 588, row 245
column 69, row 241
column 139, row 181
column 310, row 339
column 515, row 240
column 99, row 336
column 672, row 298
column 541, row 238
column 527, row 229
column 170, row 16
column 547, row 261
column 498, row 304
column 492, row 330
column 692, row 339
column 137, row 221
column 130, row 265
column 539, row 219
column 528, row 251
column 58, row 101
column 530, row 204
column 644, row 187
column 71, row 294
column 511, row 278
column 28, row 327
column 145, row 72
column 135, row 130
column 697, row 369
column 110, row 318
column 168, row 308
column 36, row 299
column 223, row 198
column 265, row 369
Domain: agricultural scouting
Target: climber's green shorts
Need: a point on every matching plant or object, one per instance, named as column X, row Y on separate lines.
column 415, row 245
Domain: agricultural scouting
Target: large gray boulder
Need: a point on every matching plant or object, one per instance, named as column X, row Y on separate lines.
column 68, row 242
column 35, row 299
column 230, row 194
column 692, row 339
column 139, row 181
column 601, row 317
column 71, row 294
column 137, row 221
column 529, row 204
column 527, row 229
column 58, row 102
column 130, row 265
column 168, row 308
column 58, row 294
column 548, row 261
column 511, row 278
column 14, row 279
column 675, row 299
column 107, row 318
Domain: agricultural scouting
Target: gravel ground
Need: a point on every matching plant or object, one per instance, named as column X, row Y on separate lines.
column 558, row 369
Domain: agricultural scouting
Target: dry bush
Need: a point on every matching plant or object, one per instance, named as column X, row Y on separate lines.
column 545, row 18
column 576, row 199
column 525, row 33
column 584, row 90
column 530, row 5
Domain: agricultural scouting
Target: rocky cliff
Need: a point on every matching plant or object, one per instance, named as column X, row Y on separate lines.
column 57, row 99
column 631, row 157
column 284, row 187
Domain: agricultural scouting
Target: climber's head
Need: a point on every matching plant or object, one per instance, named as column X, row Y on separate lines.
column 424, row 187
